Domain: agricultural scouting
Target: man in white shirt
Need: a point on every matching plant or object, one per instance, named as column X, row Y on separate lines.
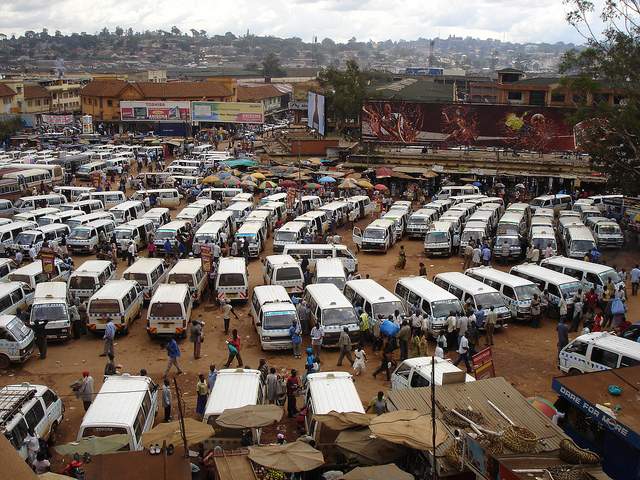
column 452, row 324
column 132, row 250
column 462, row 325
column 317, row 334
column 463, row 353
column 476, row 256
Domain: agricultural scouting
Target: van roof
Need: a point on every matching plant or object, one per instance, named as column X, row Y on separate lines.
column 138, row 222
column 168, row 292
column 371, row 289
column 174, row 225
column 426, row 289
column 92, row 266
column 470, row 285
column 500, row 276
column 314, row 246
column 561, row 261
column 32, row 268
column 382, row 223
column 8, row 287
column 51, row 290
column 187, row 265
column 239, row 206
column 114, row 289
column 544, row 273
column 234, row 388
column 293, row 226
column 110, row 405
column 281, row 260
column 210, row 227
column 327, row 295
column 442, row 366
column 126, row 205
column 329, row 267
column 93, row 216
column 580, row 232
column 220, row 215
column 6, row 319
column 144, row 265
column 232, row 265
column 441, row 226
column 511, row 217
column 333, row 391
column 540, row 231
column 248, row 228
column 271, row 294
column 422, row 212
column 100, row 222
column 159, row 211
column 613, row 342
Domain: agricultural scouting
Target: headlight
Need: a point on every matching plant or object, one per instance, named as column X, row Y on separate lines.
column 266, row 338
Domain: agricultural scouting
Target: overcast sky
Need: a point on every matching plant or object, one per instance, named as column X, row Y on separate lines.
column 511, row 20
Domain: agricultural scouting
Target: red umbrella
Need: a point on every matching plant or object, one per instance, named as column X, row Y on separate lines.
column 288, row 184
column 380, row 187
column 384, row 172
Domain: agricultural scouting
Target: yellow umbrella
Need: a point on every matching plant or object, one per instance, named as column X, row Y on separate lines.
column 196, row 432
column 258, row 176
column 378, row 472
column 365, row 184
column 211, row 179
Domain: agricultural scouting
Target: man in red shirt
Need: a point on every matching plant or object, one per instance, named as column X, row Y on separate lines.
column 293, row 384
column 233, row 344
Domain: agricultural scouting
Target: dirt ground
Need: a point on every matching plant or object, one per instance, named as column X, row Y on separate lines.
column 524, row 356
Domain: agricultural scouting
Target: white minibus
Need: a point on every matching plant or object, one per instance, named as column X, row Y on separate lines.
column 232, row 279
column 285, row 271
column 330, row 308
column 127, row 211
column 290, row 232
column 89, row 277
column 50, row 303
column 373, row 298
column 378, row 236
column 189, row 271
column 169, row 311
column 598, row 351
column 420, row 221
column 330, row 270
column 119, row 301
column 591, row 275
column 159, row 216
column 149, row 273
column 273, row 314
column 313, row 252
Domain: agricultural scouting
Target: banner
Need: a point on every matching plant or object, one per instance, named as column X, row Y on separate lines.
column 483, row 364
column 48, row 258
column 161, row 111
column 206, row 257
column 227, row 112
column 518, row 127
column 315, row 112
column 57, row 119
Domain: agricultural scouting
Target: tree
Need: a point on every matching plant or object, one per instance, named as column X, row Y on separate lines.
column 610, row 134
column 344, row 92
column 119, row 31
column 176, row 31
column 271, row 66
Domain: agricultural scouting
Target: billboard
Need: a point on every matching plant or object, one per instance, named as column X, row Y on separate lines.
column 160, row 111
column 315, row 112
column 227, row 112
column 57, row 119
column 512, row 126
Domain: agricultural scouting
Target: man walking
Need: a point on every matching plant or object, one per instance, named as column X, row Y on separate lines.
column 463, row 353
column 317, row 334
column 293, row 384
column 166, row 400
column 635, row 280
column 85, row 392
column 492, row 319
column 227, row 310
column 404, row 335
column 39, row 330
column 195, row 335
column 563, row 334
column 173, row 352
column 108, row 337
column 344, row 343
column 295, row 332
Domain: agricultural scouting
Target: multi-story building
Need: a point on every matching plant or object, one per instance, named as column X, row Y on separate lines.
column 7, row 96
column 36, row 100
column 65, row 94
column 274, row 99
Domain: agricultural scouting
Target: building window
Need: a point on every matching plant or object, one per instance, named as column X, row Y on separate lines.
column 18, row 89
column 28, row 103
column 600, row 98
column 579, row 98
column 537, row 97
column 514, row 95
column 110, row 103
column 557, row 97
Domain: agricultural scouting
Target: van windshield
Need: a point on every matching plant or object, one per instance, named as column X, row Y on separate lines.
column 526, row 292
column 387, row 308
column 49, row 311
column 443, row 308
column 82, row 282
column 581, row 245
column 141, row 278
column 165, row 309
column 285, row 236
column 417, row 220
column 541, row 243
column 204, row 238
column 288, row 273
column 570, row 289
column 165, row 234
column 80, row 233
column 437, row 237
column 231, row 280
column 25, row 238
column 122, row 233
column 339, row 316
column 609, row 274
column 18, row 329
column 471, row 235
column 487, row 300
column 118, row 214
column 608, row 229
column 375, row 233
column 185, row 278
column 278, row 319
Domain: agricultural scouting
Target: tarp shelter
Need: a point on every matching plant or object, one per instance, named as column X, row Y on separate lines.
column 139, row 465
column 170, row 433
column 250, row 416
column 366, row 449
column 379, row 472
column 409, row 428
column 94, row 445
column 241, row 162
column 290, row 457
column 343, row 420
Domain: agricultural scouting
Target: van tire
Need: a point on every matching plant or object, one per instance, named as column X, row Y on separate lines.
column 4, row 362
column 52, row 433
column 574, row 371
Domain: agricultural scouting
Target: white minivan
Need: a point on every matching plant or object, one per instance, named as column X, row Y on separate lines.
column 591, row 275
column 149, row 273
column 169, row 311
column 285, row 271
column 330, row 308
column 50, row 303
column 314, row 251
column 330, row 270
column 232, row 280
column 290, row 232
column 373, row 298
column 598, row 351
column 127, row 211
column 273, row 314
column 16, row 341
column 117, row 300
column 378, row 236
column 89, row 277
column 417, row 372
column 189, row 271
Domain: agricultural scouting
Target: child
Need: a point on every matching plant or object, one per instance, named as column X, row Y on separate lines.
column 360, row 363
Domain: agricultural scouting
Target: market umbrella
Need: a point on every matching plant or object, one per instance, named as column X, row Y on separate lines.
column 544, row 405
column 360, row 445
column 249, row 183
column 267, row 184
column 326, row 179
column 195, row 432
column 231, row 182
column 94, row 445
column 342, row 420
column 312, row 186
column 365, row 184
column 224, row 174
column 384, row 172
column 289, row 457
column 409, row 428
column 348, row 183
column 380, row 187
column 258, row 175
column 250, row 416
column 378, row 472
column 288, row 184
column 211, row 179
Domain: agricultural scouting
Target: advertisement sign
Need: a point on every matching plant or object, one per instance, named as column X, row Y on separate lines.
column 57, row 119
column 315, row 112
column 227, row 112
column 298, row 105
column 518, row 127
column 48, row 258
column 87, row 124
column 483, row 364
column 161, row 111
column 206, row 257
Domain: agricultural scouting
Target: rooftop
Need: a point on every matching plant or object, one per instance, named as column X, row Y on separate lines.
column 412, row 89
column 35, row 91
column 6, row 91
column 260, row 92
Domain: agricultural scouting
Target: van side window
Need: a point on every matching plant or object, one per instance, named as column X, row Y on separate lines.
column 367, row 308
column 18, row 433
column 418, row 380
column 629, row 362
column 577, row 347
column 146, row 403
column 508, row 292
column 6, row 302
column 426, row 307
column 556, row 268
column 34, row 415
column 49, row 397
column 593, row 278
column 401, row 290
column 404, row 371
column 456, row 291
column 492, row 284
column 604, row 357
column 553, row 290
column 16, row 295
column 577, row 274
column 138, row 424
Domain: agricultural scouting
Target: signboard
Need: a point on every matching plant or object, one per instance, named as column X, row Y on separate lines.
column 87, row 124
column 315, row 112
column 206, row 257
column 518, row 127
column 161, row 111
column 227, row 112
column 48, row 258
column 298, row 105
column 483, row 364
column 57, row 119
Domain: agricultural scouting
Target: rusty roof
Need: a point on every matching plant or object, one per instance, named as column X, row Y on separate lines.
column 174, row 90
column 475, row 395
column 104, row 88
column 260, row 92
column 35, row 91
column 6, row 91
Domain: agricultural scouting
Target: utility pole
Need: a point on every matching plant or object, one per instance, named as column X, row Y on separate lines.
column 183, row 432
column 433, row 417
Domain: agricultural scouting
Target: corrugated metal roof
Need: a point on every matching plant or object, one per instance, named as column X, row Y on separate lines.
column 474, row 395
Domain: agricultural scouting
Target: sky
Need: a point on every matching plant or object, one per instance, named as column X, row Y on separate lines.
column 507, row 20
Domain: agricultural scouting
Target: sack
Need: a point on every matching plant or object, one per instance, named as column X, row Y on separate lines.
column 617, row 307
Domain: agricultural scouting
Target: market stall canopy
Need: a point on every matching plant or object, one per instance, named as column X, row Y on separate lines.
column 312, row 186
column 378, row 472
column 267, row 184
column 418, row 170
column 94, row 445
column 249, row 183
column 290, row 457
column 365, row 184
column 250, row 416
column 288, row 183
column 327, row 179
column 258, row 175
column 380, row 187
column 195, row 432
column 384, row 172
column 409, row 428
column 241, row 162
column 364, row 448
column 348, row 183
column 343, row 420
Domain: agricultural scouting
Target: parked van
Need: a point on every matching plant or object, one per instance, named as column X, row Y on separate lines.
column 6, row 208
column 329, row 392
column 29, row 407
column 118, row 300
column 209, row 232
column 523, row 208
column 159, row 216
column 9, row 232
column 16, row 341
column 89, row 277
column 479, row 295
column 591, row 275
column 240, row 211
column 608, row 234
column 373, row 298
column 88, row 218
column 285, row 271
column 34, row 215
column 127, row 211
column 541, row 221
column 598, row 351
column 126, row 404
column 473, row 232
column 379, row 235
column 165, row 197
column 330, row 270
column 60, row 217
column 72, row 193
column 578, row 241
column 242, row 197
column 587, row 211
column 222, row 194
column 86, row 238
column 434, row 302
column 85, row 206
column 232, row 279
column 7, row 265
column 399, row 218
column 25, row 204
column 565, row 222
column 512, row 224
column 226, row 217
column 417, row 372
column 84, row 171
column 556, row 284
column 262, row 216
column 290, row 232
column 139, row 231
column 50, row 303
column 149, row 273
column 255, row 234
column 14, row 295
column 330, row 308
column 234, row 388
column 541, row 237
column 278, row 210
column 456, row 218
column 189, row 272
column 195, row 216
column 420, row 221
column 109, row 198
column 557, row 202
column 27, row 239
column 170, row 231
column 311, row 202
column 314, row 251
column 337, row 211
column 273, row 314
column 169, row 311
column 439, row 239
column 516, row 291
column 317, row 221
column 32, row 273
column 456, row 190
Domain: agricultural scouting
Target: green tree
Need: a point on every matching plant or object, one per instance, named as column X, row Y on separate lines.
column 9, row 127
column 271, row 66
column 119, row 31
column 344, row 93
column 610, row 134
